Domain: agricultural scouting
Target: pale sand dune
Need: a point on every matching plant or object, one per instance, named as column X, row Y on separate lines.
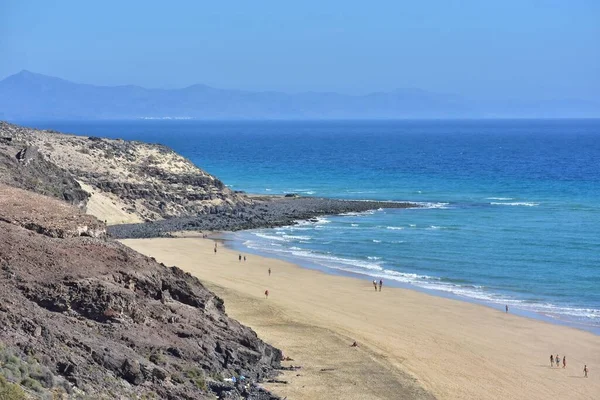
column 107, row 208
column 453, row 349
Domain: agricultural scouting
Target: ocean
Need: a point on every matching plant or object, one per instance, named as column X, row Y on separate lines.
column 510, row 208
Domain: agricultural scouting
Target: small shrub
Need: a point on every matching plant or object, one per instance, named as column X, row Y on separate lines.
column 217, row 376
column 157, row 358
column 32, row 384
column 10, row 391
column 197, row 377
column 177, row 378
column 43, row 376
column 24, row 370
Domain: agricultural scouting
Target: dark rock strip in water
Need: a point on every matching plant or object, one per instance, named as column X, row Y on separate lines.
column 263, row 213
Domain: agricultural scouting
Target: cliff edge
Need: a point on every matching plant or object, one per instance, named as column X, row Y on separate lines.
column 116, row 180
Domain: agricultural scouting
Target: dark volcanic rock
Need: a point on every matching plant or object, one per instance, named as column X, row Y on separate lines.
column 262, row 213
column 114, row 323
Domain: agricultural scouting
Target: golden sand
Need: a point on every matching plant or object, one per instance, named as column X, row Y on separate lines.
column 408, row 340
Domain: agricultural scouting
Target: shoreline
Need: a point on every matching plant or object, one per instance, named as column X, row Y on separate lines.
column 237, row 245
column 450, row 348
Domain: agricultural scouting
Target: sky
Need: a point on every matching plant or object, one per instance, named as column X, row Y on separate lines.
column 504, row 49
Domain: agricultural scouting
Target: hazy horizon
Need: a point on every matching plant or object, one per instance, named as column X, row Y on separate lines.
column 514, row 50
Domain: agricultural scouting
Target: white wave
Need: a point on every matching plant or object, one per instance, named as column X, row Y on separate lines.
column 394, row 228
column 499, row 198
column 376, row 241
column 296, row 237
column 430, row 205
column 355, row 225
column 334, row 261
column 434, row 227
column 265, row 236
column 305, row 191
column 413, row 225
column 518, row 203
column 374, row 258
column 359, row 214
column 309, row 223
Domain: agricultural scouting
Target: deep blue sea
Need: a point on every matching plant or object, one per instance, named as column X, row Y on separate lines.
column 511, row 209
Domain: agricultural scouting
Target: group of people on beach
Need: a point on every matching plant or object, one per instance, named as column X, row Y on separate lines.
column 240, row 258
column 555, row 360
column 375, row 284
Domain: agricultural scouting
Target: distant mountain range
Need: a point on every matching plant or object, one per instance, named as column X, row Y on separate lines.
column 30, row 96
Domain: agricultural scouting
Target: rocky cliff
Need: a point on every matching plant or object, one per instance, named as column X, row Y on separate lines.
column 125, row 181
column 84, row 316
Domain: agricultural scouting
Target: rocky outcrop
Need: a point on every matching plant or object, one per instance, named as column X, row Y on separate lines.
column 110, row 322
column 148, row 181
column 267, row 212
column 23, row 166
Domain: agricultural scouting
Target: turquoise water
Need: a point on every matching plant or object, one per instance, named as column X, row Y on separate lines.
column 510, row 215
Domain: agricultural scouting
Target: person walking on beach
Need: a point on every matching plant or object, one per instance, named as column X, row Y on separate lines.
column 585, row 371
column 244, row 258
column 380, row 284
column 267, row 294
column 551, row 360
column 375, row 284
column 215, row 247
column 507, row 308
column 239, row 257
column 564, row 361
column 557, row 360
column 269, row 271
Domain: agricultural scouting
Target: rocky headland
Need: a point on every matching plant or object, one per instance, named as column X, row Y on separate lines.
column 116, row 180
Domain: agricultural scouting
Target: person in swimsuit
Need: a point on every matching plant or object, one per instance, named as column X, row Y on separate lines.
column 564, row 361
column 552, row 360
column 380, row 284
column 269, row 271
column 267, row 294
column 557, row 360
column 585, row 370
column 375, row 284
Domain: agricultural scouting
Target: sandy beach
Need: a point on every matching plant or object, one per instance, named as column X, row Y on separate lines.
column 411, row 345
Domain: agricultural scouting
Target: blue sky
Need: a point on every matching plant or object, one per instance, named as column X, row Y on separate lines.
column 506, row 49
